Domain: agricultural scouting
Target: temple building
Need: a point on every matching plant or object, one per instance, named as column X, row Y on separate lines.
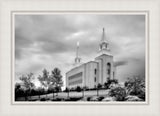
column 91, row 73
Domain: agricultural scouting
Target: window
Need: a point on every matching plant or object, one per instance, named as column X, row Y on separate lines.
column 95, row 71
column 94, row 79
column 108, row 68
column 108, row 71
column 75, row 82
column 78, row 75
column 113, row 74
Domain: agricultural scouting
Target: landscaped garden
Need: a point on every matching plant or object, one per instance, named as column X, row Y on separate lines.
column 132, row 90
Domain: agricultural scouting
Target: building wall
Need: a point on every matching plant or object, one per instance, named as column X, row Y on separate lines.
column 99, row 71
column 115, row 72
column 90, row 75
column 75, row 77
column 103, row 60
column 84, row 75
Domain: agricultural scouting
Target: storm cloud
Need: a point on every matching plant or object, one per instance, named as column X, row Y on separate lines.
column 48, row 41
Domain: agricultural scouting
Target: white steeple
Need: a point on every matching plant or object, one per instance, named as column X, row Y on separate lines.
column 103, row 36
column 104, row 45
column 77, row 59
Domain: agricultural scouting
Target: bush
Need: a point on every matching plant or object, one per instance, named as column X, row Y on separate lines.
column 99, row 86
column 109, row 82
column 66, row 89
column 92, row 89
column 136, row 86
column 43, row 99
column 72, row 89
column 78, row 89
column 19, row 92
column 119, row 93
column 85, row 88
column 51, row 89
column 75, row 98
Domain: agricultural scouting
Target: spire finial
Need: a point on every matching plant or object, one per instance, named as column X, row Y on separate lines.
column 77, row 43
column 77, row 59
column 103, row 35
column 77, row 49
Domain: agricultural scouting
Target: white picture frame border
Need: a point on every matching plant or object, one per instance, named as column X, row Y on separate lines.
column 145, row 13
column 6, row 106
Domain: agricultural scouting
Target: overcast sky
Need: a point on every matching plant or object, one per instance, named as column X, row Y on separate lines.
column 49, row 41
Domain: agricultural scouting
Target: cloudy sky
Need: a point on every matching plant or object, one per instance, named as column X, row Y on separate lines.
column 49, row 41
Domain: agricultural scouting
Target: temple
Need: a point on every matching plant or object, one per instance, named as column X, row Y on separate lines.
column 92, row 73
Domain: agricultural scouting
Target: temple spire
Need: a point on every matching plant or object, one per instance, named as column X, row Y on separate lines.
column 103, row 35
column 77, row 49
column 104, row 45
column 77, row 59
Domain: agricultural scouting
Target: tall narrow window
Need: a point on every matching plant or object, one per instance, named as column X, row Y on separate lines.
column 108, row 69
column 95, row 71
column 94, row 79
column 113, row 75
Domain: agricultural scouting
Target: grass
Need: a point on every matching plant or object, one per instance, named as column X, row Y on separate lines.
column 63, row 96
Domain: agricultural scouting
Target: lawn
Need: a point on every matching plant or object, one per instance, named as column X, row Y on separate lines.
column 64, row 95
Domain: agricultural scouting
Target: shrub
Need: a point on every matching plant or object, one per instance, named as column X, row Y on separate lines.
column 51, row 89
column 85, row 88
column 99, row 86
column 119, row 93
column 88, row 98
column 19, row 91
column 75, row 98
column 43, row 99
column 72, row 89
column 78, row 89
column 109, row 82
column 135, row 86
column 106, row 85
column 66, row 89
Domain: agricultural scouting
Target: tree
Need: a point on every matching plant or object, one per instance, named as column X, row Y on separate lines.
column 56, row 78
column 52, row 87
column 45, row 80
column 17, row 90
column 27, row 83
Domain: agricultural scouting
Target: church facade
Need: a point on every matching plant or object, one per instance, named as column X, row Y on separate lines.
column 92, row 73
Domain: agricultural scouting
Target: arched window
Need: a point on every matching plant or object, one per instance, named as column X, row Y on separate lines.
column 95, row 71
column 94, row 79
column 109, row 68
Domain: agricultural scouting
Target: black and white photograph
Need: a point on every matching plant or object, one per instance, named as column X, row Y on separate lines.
column 79, row 57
